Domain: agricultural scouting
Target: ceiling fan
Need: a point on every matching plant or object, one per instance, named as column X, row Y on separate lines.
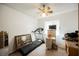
column 45, row 9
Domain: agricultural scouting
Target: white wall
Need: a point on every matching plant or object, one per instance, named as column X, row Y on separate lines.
column 15, row 23
column 78, row 16
column 0, row 18
column 68, row 23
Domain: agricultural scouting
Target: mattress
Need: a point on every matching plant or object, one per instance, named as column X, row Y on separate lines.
column 30, row 47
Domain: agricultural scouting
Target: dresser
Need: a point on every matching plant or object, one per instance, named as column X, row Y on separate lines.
column 72, row 48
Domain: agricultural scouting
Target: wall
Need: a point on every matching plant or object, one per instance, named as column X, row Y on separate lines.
column 78, row 16
column 68, row 22
column 0, row 18
column 15, row 23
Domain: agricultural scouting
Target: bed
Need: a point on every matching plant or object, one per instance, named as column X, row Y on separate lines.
column 25, row 45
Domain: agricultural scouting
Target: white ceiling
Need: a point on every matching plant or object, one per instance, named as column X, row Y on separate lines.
column 31, row 9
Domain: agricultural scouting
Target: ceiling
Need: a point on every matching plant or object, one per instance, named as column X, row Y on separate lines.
column 31, row 9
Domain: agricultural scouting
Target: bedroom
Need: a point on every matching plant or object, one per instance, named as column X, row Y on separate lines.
column 19, row 19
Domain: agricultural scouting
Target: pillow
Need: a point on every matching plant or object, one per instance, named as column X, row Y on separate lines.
column 19, row 41
column 33, row 37
column 26, row 38
column 23, row 38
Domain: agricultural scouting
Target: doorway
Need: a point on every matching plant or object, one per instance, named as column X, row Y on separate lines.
column 53, row 24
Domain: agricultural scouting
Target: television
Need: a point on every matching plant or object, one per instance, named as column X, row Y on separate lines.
column 52, row 26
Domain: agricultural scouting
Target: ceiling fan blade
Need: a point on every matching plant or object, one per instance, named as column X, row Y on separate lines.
column 50, row 11
column 43, row 5
column 48, row 8
column 40, row 9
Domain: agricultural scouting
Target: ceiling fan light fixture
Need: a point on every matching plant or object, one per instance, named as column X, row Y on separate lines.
column 43, row 15
column 45, row 10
